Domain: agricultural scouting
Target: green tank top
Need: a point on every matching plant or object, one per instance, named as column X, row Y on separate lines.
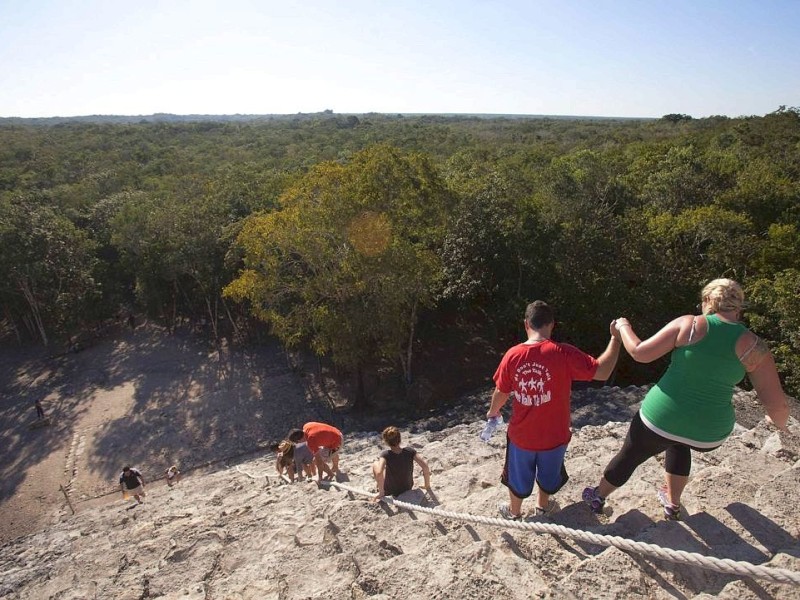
column 692, row 401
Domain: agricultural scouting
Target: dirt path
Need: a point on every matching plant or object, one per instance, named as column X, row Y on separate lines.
column 143, row 398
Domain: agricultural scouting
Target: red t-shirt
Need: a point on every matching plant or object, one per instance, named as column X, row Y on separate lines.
column 540, row 375
column 321, row 435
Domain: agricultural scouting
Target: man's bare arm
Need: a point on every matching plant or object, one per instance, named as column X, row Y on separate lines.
column 498, row 400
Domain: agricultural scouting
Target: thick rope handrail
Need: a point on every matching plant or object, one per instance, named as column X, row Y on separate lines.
column 720, row 565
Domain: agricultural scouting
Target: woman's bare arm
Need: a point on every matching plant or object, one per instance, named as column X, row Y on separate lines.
column 426, row 471
column 760, row 366
column 656, row 346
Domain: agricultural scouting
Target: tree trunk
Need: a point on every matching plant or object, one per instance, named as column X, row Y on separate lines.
column 13, row 325
column 237, row 334
column 361, row 396
column 212, row 314
column 405, row 361
column 34, row 306
column 174, row 305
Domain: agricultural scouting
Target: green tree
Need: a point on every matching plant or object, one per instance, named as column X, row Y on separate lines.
column 175, row 245
column 577, row 198
column 46, row 267
column 694, row 246
column 349, row 260
column 775, row 314
column 774, row 293
column 681, row 179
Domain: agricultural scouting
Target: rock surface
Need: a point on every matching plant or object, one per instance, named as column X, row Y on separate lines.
column 235, row 532
column 228, row 531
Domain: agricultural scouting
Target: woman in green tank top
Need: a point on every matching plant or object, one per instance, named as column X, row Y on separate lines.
column 691, row 408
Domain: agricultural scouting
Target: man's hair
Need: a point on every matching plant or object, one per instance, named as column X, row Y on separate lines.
column 538, row 314
column 296, row 436
column 391, row 435
column 126, row 468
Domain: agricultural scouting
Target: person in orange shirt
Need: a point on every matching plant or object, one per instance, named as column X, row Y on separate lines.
column 324, row 441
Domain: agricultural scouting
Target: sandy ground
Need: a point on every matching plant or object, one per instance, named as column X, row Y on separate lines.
column 143, row 398
column 234, row 532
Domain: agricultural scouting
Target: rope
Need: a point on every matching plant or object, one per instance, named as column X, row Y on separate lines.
column 250, row 475
column 267, row 476
column 720, row 565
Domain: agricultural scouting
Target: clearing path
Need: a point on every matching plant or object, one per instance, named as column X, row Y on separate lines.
column 144, row 398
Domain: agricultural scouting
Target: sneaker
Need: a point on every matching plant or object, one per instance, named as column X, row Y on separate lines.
column 672, row 512
column 505, row 512
column 595, row 501
column 547, row 510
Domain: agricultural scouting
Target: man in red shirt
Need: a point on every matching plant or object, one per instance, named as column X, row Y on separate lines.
column 540, row 373
column 324, row 441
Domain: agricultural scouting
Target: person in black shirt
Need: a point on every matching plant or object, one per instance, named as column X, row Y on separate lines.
column 394, row 470
column 131, row 483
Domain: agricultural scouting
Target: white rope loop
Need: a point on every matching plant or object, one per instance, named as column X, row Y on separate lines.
column 720, row 565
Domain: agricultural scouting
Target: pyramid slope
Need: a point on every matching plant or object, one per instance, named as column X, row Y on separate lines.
column 234, row 533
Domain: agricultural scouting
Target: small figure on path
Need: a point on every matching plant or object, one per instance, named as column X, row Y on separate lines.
column 540, row 372
column 691, row 407
column 39, row 409
column 131, row 483
column 173, row 475
column 324, row 441
column 394, row 470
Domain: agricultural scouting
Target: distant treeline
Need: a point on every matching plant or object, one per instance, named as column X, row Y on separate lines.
column 361, row 236
column 327, row 114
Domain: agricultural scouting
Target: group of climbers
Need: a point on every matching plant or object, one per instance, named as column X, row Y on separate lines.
column 690, row 408
column 307, row 452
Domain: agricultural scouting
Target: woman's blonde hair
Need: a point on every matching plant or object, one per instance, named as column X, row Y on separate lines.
column 723, row 295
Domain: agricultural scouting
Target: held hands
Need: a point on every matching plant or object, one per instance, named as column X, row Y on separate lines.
column 618, row 324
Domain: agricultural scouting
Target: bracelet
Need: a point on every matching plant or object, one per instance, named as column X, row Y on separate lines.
column 624, row 325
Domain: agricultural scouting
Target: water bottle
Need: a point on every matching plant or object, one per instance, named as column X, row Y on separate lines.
column 490, row 426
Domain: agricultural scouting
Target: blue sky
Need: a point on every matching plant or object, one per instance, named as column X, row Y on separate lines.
column 604, row 58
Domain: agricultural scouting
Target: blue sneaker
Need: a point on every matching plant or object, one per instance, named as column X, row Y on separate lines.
column 595, row 501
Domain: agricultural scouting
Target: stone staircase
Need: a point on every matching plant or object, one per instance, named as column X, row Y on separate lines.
column 237, row 533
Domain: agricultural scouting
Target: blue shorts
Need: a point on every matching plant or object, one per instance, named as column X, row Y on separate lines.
column 524, row 467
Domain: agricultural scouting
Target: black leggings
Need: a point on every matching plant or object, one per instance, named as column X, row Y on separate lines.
column 642, row 443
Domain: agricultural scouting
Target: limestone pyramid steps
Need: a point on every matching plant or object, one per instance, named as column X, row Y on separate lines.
column 234, row 533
